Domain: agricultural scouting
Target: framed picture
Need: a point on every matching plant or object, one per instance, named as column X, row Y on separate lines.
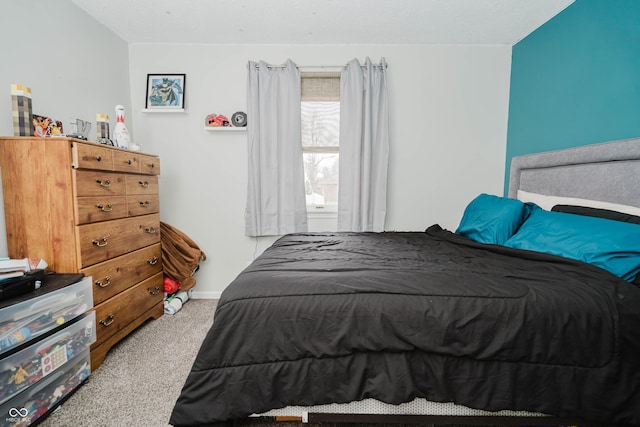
column 165, row 91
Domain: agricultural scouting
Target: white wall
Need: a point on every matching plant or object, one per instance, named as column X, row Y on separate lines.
column 448, row 119
column 448, row 122
column 75, row 67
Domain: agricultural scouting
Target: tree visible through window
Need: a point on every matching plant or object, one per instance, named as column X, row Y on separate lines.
column 320, row 139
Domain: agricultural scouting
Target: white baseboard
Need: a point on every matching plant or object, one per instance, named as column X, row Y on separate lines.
column 205, row 294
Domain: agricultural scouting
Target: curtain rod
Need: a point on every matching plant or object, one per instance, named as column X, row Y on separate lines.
column 322, row 67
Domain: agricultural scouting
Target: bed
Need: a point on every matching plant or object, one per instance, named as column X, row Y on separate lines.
column 487, row 321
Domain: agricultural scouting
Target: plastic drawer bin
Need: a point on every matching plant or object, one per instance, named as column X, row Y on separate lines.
column 33, row 316
column 25, row 408
column 29, row 366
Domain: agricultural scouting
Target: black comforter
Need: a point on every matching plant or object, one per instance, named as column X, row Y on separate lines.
column 338, row 317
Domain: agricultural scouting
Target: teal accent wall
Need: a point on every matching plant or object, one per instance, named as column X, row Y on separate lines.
column 576, row 79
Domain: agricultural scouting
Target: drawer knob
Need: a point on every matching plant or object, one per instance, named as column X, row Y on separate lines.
column 104, row 208
column 153, row 261
column 145, row 204
column 153, row 165
column 143, row 184
column 150, row 230
column 107, row 282
column 154, row 291
column 129, row 161
column 98, row 158
column 108, row 321
column 99, row 244
column 105, row 184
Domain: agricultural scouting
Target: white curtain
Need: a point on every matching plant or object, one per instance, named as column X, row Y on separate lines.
column 364, row 147
column 275, row 195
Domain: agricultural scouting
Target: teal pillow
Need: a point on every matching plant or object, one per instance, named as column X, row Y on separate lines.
column 492, row 219
column 611, row 245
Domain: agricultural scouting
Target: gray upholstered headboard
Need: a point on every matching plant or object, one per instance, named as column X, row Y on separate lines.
column 607, row 172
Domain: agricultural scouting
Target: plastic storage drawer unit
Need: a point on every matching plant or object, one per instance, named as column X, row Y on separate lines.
column 30, row 365
column 25, row 318
column 25, row 408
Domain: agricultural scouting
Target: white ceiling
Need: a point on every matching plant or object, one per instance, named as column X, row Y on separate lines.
column 503, row 22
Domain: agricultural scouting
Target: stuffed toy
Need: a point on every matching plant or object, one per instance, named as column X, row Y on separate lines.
column 170, row 285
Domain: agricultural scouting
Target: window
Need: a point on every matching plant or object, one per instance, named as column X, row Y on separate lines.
column 320, row 139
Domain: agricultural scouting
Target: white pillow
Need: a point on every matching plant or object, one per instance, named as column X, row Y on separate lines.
column 548, row 202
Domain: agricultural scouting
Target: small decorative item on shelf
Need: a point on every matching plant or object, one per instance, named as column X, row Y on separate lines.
column 216, row 120
column 80, row 129
column 22, row 110
column 120, row 133
column 44, row 126
column 102, row 130
column 239, row 119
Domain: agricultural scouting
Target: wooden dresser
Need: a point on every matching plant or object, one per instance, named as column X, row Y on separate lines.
column 93, row 209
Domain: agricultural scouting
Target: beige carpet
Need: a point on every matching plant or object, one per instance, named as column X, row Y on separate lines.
column 141, row 378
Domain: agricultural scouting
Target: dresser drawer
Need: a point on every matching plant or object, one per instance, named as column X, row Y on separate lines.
column 117, row 274
column 91, row 183
column 91, row 156
column 142, row 205
column 101, row 241
column 126, row 161
column 142, row 184
column 117, row 312
column 149, row 164
column 100, row 208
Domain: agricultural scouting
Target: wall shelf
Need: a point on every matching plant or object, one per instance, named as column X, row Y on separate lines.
column 163, row 110
column 225, row 129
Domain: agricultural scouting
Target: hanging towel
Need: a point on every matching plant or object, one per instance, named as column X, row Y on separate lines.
column 181, row 256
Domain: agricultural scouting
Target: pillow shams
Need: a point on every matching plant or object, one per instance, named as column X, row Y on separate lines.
column 492, row 219
column 611, row 245
column 548, row 202
column 598, row 213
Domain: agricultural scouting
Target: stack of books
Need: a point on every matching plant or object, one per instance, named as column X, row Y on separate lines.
column 10, row 268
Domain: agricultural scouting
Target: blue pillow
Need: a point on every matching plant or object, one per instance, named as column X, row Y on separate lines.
column 611, row 245
column 492, row 219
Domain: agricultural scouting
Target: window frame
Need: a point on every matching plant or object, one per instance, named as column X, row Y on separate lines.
column 326, row 89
